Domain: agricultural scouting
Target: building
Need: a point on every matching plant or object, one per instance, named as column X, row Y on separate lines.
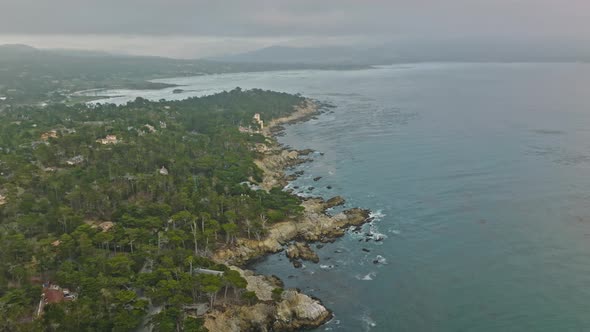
column 104, row 226
column 207, row 271
column 54, row 294
column 50, row 134
column 2, row 199
column 163, row 171
column 150, row 128
column 75, row 160
column 248, row 130
column 109, row 139
column 258, row 120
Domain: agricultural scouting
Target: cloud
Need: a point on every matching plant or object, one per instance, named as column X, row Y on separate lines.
column 253, row 21
column 266, row 18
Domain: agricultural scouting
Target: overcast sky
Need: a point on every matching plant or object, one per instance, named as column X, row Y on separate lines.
column 195, row 28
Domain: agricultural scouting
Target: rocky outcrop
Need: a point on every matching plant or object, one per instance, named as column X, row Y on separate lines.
column 292, row 312
column 260, row 284
column 299, row 250
column 334, row 201
column 314, row 226
column 303, row 112
column 298, row 311
column 257, row 317
column 273, row 165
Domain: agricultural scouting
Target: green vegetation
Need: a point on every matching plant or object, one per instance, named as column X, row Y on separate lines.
column 125, row 225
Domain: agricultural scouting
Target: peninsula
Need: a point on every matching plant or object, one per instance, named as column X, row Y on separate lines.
column 142, row 216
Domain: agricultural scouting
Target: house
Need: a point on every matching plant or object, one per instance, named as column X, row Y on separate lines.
column 207, row 271
column 105, row 226
column 248, row 130
column 109, row 139
column 150, row 128
column 163, row 171
column 2, row 199
column 54, row 294
column 75, row 160
column 163, row 125
column 258, row 120
column 50, row 134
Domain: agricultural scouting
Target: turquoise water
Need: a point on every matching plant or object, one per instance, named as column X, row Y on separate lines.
column 479, row 176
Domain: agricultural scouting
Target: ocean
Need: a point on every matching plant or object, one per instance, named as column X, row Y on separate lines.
column 478, row 176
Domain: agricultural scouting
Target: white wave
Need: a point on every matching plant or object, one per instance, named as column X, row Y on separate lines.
column 394, row 231
column 380, row 260
column 326, row 267
column 368, row 322
column 374, row 233
column 368, row 277
column 377, row 215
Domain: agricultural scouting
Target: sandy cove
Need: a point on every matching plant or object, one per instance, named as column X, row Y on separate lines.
column 295, row 310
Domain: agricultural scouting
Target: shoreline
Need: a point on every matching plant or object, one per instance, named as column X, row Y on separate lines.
column 295, row 310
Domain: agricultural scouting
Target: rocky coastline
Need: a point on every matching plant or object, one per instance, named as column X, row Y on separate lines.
column 293, row 310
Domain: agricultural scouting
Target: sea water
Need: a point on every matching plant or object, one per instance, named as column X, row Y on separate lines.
column 478, row 176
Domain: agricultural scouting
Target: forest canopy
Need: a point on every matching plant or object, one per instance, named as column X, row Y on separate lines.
column 119, row 205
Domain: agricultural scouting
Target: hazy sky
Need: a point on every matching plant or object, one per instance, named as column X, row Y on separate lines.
column 195, row 28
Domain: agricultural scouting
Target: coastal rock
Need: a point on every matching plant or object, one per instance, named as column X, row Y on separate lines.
column 306, row 152
column 258, row 317
column 335, row 201
column 298, row 311
column 303, row 251
column 262, row 285
column 274, row 163
column 313, row 226
column 292, row 312
column 317, row 178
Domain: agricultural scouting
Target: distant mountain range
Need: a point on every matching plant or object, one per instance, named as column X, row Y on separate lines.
column 311, row 55
column 29, row 75
column 407, row 52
